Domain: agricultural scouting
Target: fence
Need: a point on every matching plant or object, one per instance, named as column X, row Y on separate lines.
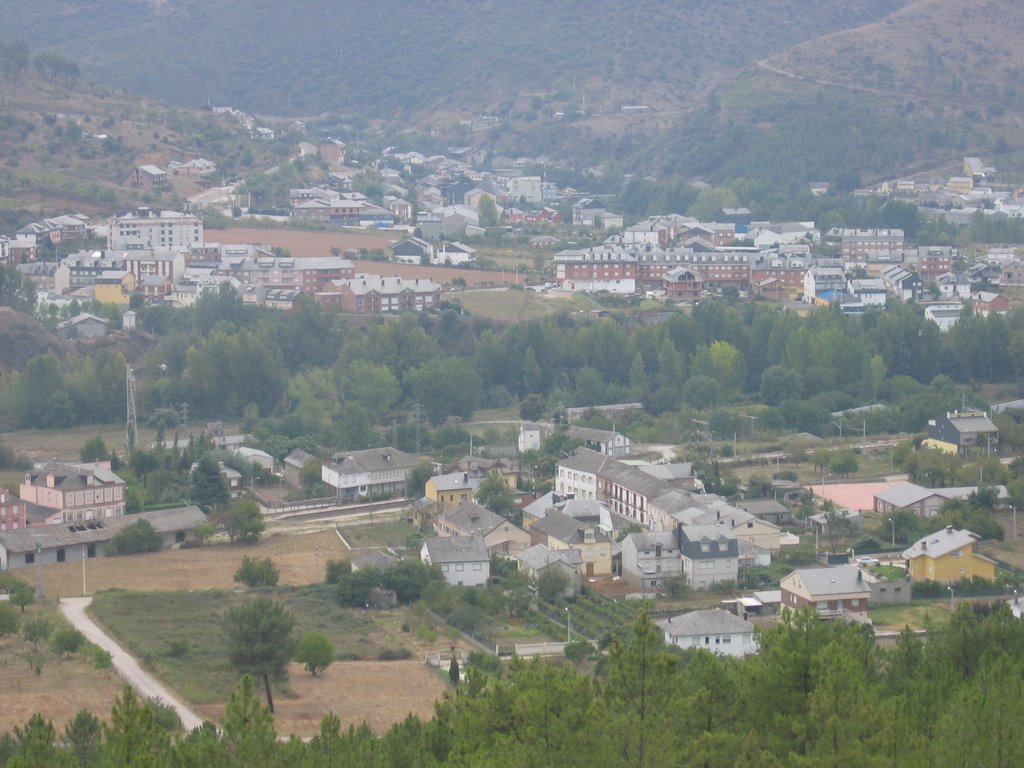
column 526, row 650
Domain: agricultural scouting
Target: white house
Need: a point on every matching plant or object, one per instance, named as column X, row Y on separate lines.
column 713, row 630
column 464, row 560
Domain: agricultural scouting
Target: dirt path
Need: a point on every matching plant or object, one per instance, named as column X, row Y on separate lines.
column 124, row 663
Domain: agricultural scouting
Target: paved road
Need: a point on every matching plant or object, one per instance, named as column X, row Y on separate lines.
column 124, row 663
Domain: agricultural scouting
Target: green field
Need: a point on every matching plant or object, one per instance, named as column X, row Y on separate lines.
column 916, row 615
column 379, row 534
column 148, row 624
column 510, row 306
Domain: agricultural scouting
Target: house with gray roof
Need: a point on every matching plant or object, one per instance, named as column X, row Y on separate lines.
column 924, row 502
column 84, row 540
column 464, row 560
column 537, row 559
column 714, row 630
column 559, row 531
column 709, row 554
column 373, row 472
column 605, row 441
column 74, row 491
column 836, row 593
column 500, row 535
column 381, row 559
column 83, row 326
column 294, row 463
column 960, row 432
column 650, row 558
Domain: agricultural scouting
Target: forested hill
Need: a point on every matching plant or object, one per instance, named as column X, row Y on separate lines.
column 425, row 58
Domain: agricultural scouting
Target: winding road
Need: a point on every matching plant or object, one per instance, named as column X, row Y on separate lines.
column 124, row 663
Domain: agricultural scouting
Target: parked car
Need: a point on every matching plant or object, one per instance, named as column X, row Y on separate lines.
column 867, row 560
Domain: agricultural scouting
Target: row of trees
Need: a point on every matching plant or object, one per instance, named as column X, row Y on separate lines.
column 819, row 694
column 311, row 374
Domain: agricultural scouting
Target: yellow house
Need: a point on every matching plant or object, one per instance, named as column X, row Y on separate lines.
column 557, row 531
column 448, row 491
column 947, row 556
column 115, row 287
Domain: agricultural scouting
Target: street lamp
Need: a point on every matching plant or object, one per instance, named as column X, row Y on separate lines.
column 950, row 588
column 83, row 570
column 893, row 524
column 568, row 625
column 1014, row 508
column 752, row 420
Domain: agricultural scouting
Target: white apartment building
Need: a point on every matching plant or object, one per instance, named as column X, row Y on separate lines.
column 154, row 228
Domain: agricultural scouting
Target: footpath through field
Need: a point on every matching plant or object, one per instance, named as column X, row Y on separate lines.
column 124, row 663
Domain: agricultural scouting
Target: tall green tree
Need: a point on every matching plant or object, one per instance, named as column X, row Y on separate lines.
column 208, row 487
column 249, row 733
column 260, row 642
column 638, row 698
column 133, row 737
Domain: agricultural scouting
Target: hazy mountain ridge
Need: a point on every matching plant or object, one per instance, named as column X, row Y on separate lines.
column 395, row 57
column 798, row 91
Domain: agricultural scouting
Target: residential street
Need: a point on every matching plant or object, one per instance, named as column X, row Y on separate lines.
column 125, row 664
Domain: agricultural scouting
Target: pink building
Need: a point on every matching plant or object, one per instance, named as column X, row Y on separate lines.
column 78, row 491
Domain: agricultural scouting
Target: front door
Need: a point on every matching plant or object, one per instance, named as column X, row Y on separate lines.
column 590, row 569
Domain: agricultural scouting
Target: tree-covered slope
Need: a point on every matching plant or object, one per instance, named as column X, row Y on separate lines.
column 914, row 92
column 396, row 57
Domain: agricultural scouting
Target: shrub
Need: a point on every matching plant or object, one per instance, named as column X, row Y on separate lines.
column 394, row 654
column 165, row 715
column 256, row 573
column 315, row 652
column 67, row 641
column 177, row 648
column 140, row 536
column 336, row 569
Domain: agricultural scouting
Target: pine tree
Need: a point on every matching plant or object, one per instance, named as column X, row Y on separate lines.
column 249, row 727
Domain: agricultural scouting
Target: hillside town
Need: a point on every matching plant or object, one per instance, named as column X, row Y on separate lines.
column 159, row 255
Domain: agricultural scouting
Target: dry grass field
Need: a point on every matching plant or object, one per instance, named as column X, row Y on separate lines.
column 213, row 567
column 45, row 444
column 381, row 693
column 63, row 688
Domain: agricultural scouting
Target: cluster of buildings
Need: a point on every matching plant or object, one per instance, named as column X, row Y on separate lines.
column 163, row 256
column 69, row 511
column 684, row 260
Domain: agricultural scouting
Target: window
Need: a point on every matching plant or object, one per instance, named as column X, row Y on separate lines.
column 179, row 537
column 459, row 567
column 90, row 551
column 30, row 558
column 477, row 566
column 61, row 555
